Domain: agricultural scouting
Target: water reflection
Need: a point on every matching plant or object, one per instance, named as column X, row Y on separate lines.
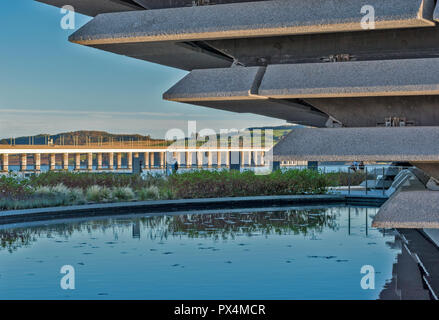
column 216, row 226
column 273, row 254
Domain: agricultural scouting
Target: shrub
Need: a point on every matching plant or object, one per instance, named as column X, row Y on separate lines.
column 97, row 193
column 150, row 193
column 122, row 194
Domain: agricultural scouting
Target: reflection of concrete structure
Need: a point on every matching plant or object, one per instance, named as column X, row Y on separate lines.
column 312, row 62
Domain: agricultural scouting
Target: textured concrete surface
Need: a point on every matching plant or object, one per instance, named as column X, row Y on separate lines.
column 95, row 7
column 370, row 111
column 235, row 89
column 360, row 144
column 217, row 84
column 252, row 19
column 352, row 79
column 409, row 209
column 178, row 55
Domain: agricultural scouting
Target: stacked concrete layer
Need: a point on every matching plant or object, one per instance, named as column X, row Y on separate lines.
column 412, row 144
column 218, row 84
column 235, row 89
column 160, row 4
column 253, row 19
column 352, row 79
column 178, row 55
column 95, row 7
column 409, row 209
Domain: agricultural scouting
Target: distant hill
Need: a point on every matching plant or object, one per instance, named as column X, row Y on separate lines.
column 81, row 137
column 84, row 136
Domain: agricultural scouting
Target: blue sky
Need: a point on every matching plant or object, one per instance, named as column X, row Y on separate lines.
column 49, row 85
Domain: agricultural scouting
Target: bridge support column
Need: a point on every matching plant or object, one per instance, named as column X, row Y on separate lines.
column 249, row 160
column 89, row 161
column 162, row 160
column 65, row 161
column 242, row 159
column 111, row 161
column 152, row 159
column 228, row 159
column 77, row 161
column 23, row 162
column 146, row 160
column 188, row 159
column 37, row 160
column 52, row 162
column 119, row 161
column 218, row 159
column 5, row 161
column 178, row 157
column 200, row 159
column 209, row 159
column 130, row 160
column 99, row 160
column 262, row 158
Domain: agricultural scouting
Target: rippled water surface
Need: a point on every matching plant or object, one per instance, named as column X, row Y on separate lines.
column 289, row 254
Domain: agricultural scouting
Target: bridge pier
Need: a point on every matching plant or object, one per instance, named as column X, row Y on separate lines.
column 162, row 160
column 199, row 159
column 37, row 160
column 209, row 159
column 228, row 158
column 152, row 158
column 119, row 161
column 111, row 160
column 23, row 162
column 77, row 161
column 65, row 162
column 52, row 162
column 146, row 160
column 218, row 159
column 89, row 161
column 5, row 162
column 130, row 160
column 99, row 160
column 188, row 159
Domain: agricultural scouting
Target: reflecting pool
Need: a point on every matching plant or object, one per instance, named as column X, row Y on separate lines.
column 314, row 253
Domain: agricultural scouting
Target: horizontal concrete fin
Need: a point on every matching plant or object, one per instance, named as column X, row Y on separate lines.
column 409, row 209
column 95, row 7
column 352, row 79
column 360, row 144
column 235, row 89
column 217, row 84
column 252, row 19
column 176, row 55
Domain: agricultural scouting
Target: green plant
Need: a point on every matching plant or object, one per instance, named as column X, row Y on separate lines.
column 150, row 193
column 122, row 193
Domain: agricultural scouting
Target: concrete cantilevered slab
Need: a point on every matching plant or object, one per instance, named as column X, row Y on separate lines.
column 405, row 144
column 253, row 19
column 95, row 7
column 409, row 209
column 405, row 77
column 236, row 89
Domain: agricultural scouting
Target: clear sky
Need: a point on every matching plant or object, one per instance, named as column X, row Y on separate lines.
column 49, row 85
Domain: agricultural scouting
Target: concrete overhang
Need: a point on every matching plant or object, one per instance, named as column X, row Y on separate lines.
column 405, row 144
column 236, row 89
column 405, row 77
column 251, row 19
column 95, row 7
column 409, row 209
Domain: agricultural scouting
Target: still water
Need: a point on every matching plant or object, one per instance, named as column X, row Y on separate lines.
column 280, row 254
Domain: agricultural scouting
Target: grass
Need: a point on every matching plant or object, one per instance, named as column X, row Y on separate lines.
column 67, row 188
